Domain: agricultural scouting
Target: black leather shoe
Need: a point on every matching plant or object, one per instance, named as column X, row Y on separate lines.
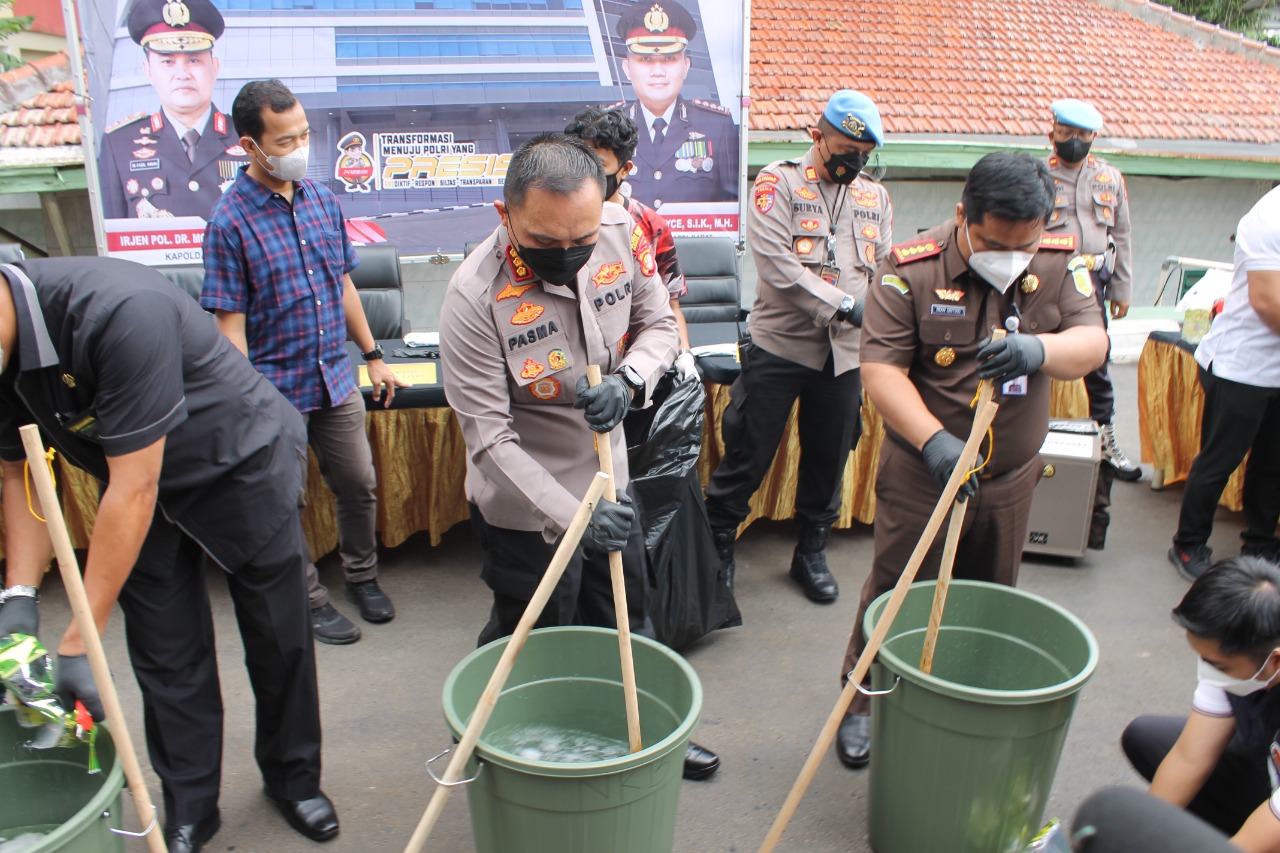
column 190, row 837
column 853, row 741
column 315, row 818
column 699, row 762
column 330, row 626
column 375, row 606
column 809, row 564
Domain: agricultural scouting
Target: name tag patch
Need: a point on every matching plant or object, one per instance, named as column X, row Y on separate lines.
column 143, row 165
column 946, row 310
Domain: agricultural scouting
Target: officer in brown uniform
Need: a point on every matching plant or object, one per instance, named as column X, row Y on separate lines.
column 818, row 228
column 178, row 160
column 1091, row 217
column 565, row 281
column 926, row 342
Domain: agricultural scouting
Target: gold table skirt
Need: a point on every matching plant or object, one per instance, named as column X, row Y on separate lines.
column 1170, row 405
column 420, row 461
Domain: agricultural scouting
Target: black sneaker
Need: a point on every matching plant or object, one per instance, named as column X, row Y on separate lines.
column 375, row 606
column 1191, row 562
column 330, row 626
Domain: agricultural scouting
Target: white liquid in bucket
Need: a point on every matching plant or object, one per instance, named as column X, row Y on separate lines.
column 540, row 742
column 25, row 838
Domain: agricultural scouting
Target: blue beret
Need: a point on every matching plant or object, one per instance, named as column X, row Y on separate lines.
column 855, row 115
column 1075, row 113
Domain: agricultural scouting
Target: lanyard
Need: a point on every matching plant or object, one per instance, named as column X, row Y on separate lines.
column 831, row 219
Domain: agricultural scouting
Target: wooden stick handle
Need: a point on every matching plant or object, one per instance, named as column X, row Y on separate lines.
column 79, row 601
column 622, row 616
column 944, row 583
column 498, row 679
column 986, row 414
column 986, row 391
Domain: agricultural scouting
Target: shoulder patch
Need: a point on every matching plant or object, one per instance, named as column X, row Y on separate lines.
column 766, row 178
column 896, row 282
column 1080, row 276
column 711, row 106
column 905, row 253
column 124, row 121
column 1058, row 242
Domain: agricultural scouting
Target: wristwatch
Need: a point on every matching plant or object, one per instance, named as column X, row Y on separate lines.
column 845, row 309
column 20, row 591
column 634, row 382
column 374, row 354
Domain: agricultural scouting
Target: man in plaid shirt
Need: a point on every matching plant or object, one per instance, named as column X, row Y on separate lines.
column 613, row 136
column 277, row 263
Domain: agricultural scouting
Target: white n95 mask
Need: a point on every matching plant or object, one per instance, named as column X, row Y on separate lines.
column 1208, row 674
column 288, row 167
column 999, row 269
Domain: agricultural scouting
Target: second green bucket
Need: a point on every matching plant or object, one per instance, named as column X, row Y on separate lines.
column 964, row 757
column 571, row 678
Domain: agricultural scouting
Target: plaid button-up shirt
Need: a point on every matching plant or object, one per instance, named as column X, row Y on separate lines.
column 282, row 266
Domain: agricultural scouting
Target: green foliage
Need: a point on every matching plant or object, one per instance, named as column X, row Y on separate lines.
column 9, row 26
column 1243, row 16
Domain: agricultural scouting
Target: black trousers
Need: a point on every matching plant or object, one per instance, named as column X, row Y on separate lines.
column 1237, row 419
column 169, row 631
column 516, row 560
column 760, row 403
column 1097, row 383
column 1235, row 788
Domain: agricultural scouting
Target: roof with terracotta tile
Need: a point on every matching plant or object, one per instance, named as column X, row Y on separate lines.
column 994, row 66
column 38, row 122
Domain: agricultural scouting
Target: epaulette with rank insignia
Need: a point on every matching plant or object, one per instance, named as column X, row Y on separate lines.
column 1058, row 242
column 711, row 106
column 905, row 253
column 130, row 120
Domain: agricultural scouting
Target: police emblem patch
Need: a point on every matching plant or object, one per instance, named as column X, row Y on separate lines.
column 806, row 193
column 804, row 245
column 809, row 224
column 608, row 274
column 1080, row 276
column 1031, row 283
column 526, row 314
column 764, row 199
column 949, row 295
column 1103, row 178
column 143, row 153
column 512, row 291
column 531, row 369
column 870, row 232
column 545, row 389
column 557, row 360
column 865, row 198
column 945, row 357
column 870, row 254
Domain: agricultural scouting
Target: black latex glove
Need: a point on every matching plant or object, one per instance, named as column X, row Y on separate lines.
column 19, row 616
column 72, row 681
column 610, row 525
column 606, row 404
column 854, row 315
column 941, row 454
column 1010, row 357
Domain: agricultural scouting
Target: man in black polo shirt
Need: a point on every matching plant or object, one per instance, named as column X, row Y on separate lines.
column 1222, row 763
column 132, row 382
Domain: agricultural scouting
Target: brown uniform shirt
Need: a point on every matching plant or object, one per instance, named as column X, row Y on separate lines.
column 787, row 228
column 929, row 313
column 1091, row 204
column 512, row 348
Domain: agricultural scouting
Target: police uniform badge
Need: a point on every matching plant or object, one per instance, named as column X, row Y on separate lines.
column 945, row 357
column 1030, row 283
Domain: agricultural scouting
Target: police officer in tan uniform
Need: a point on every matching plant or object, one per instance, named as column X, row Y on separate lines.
column 926, row 343
column 556, row 287
column 688, row 148
column 818, row 228
column 1091, row 216
column 178, row 160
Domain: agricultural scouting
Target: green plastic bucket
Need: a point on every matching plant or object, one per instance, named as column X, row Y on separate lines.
column 571, row 678
column 964, row 757
column 50, row 791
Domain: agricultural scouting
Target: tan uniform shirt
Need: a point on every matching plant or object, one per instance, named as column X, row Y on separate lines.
column 1092, row 203
column 929, row 313
column 512, row 348
column 788, row 226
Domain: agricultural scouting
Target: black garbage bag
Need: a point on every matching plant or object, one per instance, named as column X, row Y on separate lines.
column 690, row 599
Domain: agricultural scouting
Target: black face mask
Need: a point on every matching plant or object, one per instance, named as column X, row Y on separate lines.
column 1073, row 150
column 844, row 168
column 555, row 266
column 611, row 184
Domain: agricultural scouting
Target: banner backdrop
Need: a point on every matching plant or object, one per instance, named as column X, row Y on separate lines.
column 415, row 107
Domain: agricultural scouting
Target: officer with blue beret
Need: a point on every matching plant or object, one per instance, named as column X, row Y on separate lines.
column 688, row 148
column 1091, row 212
column 818, row 227
column 178, row 160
